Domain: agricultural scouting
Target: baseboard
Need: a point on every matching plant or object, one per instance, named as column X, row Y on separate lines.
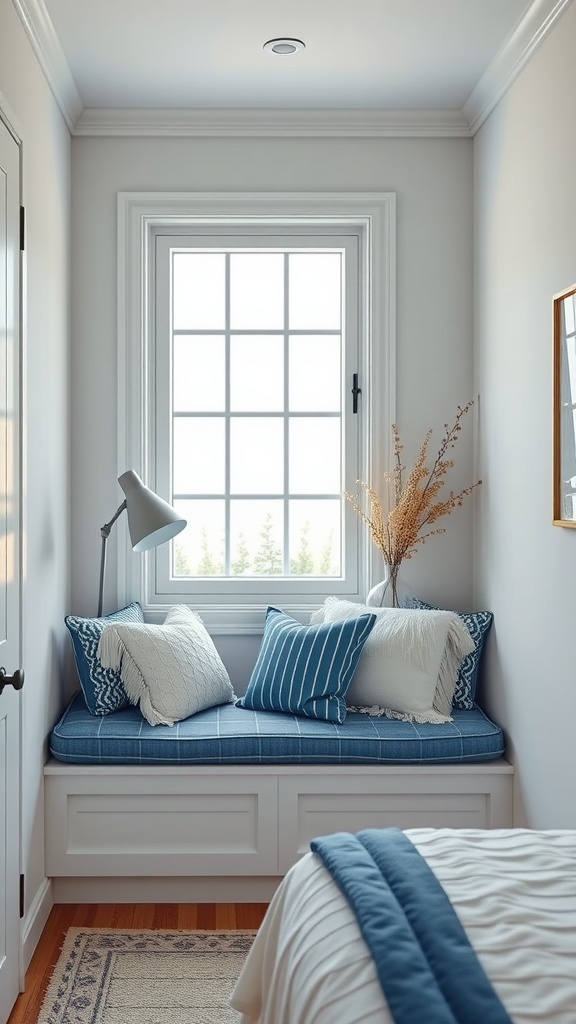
column 165, row 890
column 35, row 920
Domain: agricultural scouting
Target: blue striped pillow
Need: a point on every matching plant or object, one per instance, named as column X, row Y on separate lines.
column 306, row 670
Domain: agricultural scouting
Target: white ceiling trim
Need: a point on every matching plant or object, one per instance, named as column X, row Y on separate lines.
column 273, row 123
column 530, row 32
column 497, row 79
column 50, row 55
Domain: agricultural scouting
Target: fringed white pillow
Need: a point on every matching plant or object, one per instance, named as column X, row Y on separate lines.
column 171, row 670
column 409, row 663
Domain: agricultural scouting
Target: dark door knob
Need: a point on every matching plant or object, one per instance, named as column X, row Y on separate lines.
column 17, row 680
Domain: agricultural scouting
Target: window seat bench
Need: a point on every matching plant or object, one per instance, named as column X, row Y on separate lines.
column 218, row 807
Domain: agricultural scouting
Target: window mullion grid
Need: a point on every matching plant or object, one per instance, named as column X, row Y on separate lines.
column 288, row 416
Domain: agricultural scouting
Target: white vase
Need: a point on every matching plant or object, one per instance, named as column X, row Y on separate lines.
column 385, row 595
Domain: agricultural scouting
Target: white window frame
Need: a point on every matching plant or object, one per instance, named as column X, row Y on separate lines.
column 276, row 590
column 372, row 216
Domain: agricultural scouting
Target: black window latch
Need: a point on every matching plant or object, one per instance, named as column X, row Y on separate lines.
column 355, row 392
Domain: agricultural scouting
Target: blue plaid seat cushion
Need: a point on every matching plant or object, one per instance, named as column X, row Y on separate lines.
column 228, row 734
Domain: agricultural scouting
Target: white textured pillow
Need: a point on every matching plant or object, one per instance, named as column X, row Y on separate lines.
column 409, row 663
column 171, row 670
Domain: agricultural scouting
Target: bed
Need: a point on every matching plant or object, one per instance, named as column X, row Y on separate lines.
column 513, row 890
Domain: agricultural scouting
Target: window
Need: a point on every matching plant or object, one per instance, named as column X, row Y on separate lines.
column 243, row 324
column 253, row 346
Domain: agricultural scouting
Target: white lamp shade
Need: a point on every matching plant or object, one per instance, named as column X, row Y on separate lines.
column 151, row 520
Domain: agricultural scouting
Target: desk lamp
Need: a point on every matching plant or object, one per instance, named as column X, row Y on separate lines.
column 151, row 521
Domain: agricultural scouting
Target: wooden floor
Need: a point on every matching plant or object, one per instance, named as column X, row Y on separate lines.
column 186, row 916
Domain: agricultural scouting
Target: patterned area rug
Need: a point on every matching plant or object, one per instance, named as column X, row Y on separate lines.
column 106, row 976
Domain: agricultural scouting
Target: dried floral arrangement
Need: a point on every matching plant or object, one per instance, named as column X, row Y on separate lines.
column 413, row 502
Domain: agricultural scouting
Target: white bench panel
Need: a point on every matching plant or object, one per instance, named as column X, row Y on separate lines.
column 451, row 796
column 185, row 825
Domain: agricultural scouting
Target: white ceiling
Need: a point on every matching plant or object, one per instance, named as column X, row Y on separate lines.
column 207, row 55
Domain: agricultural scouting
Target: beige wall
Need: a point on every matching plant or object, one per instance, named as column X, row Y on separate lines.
column 525, row 226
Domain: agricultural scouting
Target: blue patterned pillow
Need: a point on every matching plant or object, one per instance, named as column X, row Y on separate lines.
column 102, row 687
column 306, row 670
column 478, row 625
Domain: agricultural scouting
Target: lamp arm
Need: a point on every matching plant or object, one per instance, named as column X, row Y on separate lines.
column 105, row 530
column 105, row 533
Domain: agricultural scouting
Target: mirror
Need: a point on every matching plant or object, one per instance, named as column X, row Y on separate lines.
column 564, row 313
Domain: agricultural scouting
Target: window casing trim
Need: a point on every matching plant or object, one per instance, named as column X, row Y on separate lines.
column 140, row 215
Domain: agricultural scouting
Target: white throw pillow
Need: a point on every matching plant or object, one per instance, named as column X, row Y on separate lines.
column 171, row 670
column 409, row 663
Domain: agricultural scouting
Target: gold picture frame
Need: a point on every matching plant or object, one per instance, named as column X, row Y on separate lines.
column 564, row 329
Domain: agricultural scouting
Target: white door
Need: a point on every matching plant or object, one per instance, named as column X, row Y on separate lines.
column 9, row 570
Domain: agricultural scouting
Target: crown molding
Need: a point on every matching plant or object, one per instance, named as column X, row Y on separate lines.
column 50, row 55
column 272, row 123
column 530, row 32
column 514, row 55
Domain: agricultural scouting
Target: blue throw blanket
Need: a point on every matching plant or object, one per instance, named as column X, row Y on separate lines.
column 427, row 968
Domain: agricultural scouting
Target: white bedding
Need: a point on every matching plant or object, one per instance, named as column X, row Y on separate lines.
column 514, row 891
